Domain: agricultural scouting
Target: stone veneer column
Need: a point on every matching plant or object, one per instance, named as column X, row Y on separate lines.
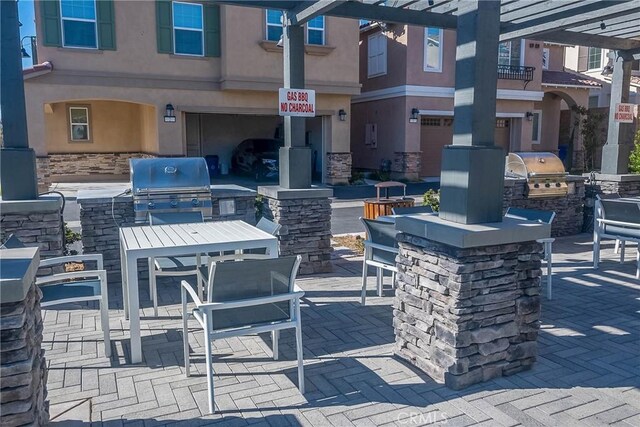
column 467, row 303
column 406, row 165
column 305, row 217
column 44, row 173
column 23, row 370
column 338, row 168
column 35, row 223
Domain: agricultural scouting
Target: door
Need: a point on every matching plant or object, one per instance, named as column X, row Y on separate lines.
column 435, row 133
column 194, row 144
column 502, row 134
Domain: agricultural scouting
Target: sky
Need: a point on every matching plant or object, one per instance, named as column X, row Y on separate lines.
column 26, row 17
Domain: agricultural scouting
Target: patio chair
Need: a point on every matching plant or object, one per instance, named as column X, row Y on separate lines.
column 616, row 219
column 380, row 250
column 75, row 286
column 411, row 210
column 244, row 298
column 619, row 243
column 177, row 266
column 268, row 227
column 545, row 217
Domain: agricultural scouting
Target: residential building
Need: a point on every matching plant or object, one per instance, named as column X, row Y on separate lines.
column 111, row 70
column 404, row 116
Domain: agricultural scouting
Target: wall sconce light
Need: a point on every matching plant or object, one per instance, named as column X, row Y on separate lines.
column 413, row 118
column 280, row 42
column 169, row 114
column 342, row 114
column 529, row 116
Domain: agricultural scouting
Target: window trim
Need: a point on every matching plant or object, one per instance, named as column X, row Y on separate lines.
column 440, row 50
column 88, row 124
column 539, row 140
column 381, row 73
column 95, row 27
column 589, row 57
column 174, row 28
column 323, row 29
column 268, row 24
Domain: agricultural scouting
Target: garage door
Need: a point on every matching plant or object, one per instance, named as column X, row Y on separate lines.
column 435, row 133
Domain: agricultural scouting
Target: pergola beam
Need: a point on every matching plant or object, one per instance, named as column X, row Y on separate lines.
column 357, row 10
column 305, row 12
column 591, row 40
column 529, row 9
column 633, row 18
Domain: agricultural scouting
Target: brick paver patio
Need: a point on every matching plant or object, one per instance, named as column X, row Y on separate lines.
column 587, row 373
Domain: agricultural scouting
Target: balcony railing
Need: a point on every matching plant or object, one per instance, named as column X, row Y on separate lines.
column 515, row 72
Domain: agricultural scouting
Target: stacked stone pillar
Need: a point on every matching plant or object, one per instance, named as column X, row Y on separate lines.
column 406, row 165
column 338, row 168
column 467, row 312
column 23, row 372
column 305, row 217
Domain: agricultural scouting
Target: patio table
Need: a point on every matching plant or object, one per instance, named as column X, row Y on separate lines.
column 175, row 240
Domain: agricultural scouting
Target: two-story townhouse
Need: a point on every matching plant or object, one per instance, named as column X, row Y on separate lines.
column 404, row 115
column 121, row 79
column 595, row 63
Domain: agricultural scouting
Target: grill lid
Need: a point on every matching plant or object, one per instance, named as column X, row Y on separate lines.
column 174, row 174
column 533, row 164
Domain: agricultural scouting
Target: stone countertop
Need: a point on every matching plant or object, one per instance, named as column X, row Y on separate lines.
column 18, row 269
column 107, row 194
column 508, row 181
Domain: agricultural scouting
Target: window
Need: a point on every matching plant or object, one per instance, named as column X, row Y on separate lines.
column 315, row 30
column 188, row 37
column 274, row 25
column 79, row 23
column 502, row 123
column 536, row 127
column 79, row 123
column 377, row 55
column 594, row 60
column 430, row 121
column 545, row 58
column 510, row 53
column 433, row 49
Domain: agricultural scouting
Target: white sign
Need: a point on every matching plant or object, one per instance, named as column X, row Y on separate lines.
column 297, row 102
column 624, row 113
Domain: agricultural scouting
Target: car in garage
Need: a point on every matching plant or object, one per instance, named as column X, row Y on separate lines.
column 257, row 157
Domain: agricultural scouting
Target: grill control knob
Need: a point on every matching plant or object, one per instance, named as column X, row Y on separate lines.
column 557, row 184
column 547, row 185
column 195, row 202
column 174, row 203
column 536, row 185
column 151, row 205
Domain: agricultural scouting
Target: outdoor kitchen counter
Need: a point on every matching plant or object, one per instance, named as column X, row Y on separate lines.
column 103, row 212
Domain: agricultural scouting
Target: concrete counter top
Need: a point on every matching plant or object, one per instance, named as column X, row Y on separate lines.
column 18, row 269
column 107, row 194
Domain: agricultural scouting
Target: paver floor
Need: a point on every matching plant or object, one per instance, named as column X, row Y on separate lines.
column 587, row 372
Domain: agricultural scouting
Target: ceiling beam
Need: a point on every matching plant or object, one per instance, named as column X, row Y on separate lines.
column 614, row 32
column 611, row 22
column 266, row 4
column 633, row 53
column 591, row 40
column 566, row 19
column 524, row 9
column 438, row 6
column 306, row 11
column 358, row 10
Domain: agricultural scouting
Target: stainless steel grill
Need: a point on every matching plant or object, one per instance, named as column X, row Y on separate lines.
column 170, row 185
column 543, row 171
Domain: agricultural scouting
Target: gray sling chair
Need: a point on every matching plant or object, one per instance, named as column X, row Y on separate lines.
column 545, row 217
column 620, row 244
column 411, row 210
column 380, row 250
column 177, row 266
column 75, row 286
column 244, row 298
column 620, row 220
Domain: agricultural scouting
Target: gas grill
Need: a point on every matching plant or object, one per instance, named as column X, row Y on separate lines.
column 170, row 185
column 543, row 171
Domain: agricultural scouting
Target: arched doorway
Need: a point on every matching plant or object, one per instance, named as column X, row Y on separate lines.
column 559, row 132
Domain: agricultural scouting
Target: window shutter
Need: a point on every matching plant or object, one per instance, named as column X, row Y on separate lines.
column 583, row 58
column 51, row 30
column 211, row 30
column 106, row 25
column 164, row 30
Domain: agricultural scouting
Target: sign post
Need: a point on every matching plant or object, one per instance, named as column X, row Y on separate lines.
column 297, row 102
column 624, row 113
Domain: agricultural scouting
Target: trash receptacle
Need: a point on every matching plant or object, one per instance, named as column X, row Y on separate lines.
column 213, row 164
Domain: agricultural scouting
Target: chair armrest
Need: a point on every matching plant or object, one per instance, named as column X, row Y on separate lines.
column 60, row 277
column 69, row 258
column 250, row 302
column 188, row 289
column 546, row 240
column 370, row 244
column 619, row 223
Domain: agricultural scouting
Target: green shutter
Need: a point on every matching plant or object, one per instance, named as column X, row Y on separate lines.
column 51, row 31
column 211, row 30
column 106, row 25
column 164, row 30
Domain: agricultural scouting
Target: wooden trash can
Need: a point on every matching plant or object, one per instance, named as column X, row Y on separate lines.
column 374, row 208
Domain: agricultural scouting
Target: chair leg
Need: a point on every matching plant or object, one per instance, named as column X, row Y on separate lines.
column 153, row 289
column 185, row 334
column 275, row 335
column 638, row 262
column 549, row 269
column 596, row 249
column 198, row 275
column 616, row 248
column 299, row 349
column 207, row 357
column 363, row 293
column 622, row 248
column 393, row 279
column 104, row 317
column 379, row 278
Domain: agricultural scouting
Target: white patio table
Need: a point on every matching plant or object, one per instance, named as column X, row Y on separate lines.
column 174, row 240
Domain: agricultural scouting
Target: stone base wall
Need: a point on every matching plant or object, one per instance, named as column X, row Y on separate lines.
column 100, row 229
column 568, row 209
column 465, row 316
column 87, row 164
column 23, row 369
column 406, row 165
column 44, row 174
column 338, row 168
column 306, row 230
column 623, row 188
